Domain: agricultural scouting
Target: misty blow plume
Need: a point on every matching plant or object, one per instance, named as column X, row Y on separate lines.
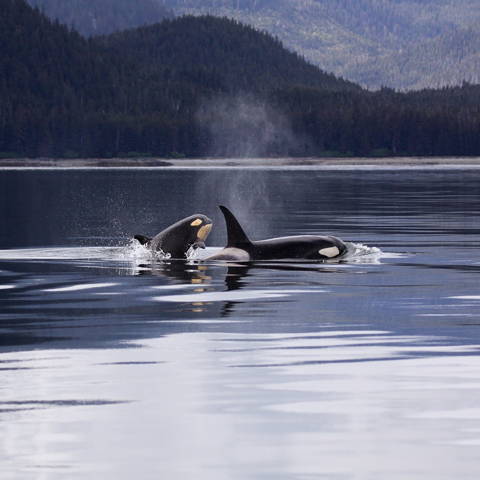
column 244, row 126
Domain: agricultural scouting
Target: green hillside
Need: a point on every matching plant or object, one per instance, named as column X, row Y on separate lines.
column 449, row 59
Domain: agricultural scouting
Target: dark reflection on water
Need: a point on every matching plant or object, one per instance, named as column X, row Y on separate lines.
column 260, row 370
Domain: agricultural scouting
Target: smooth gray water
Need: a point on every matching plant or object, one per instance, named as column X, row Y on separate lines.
column 113, row 366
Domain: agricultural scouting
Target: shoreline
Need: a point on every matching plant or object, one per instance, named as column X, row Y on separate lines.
column 327, row 162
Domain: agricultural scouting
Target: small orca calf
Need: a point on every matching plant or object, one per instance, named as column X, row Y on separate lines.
column 178, row 238
column 310, row 247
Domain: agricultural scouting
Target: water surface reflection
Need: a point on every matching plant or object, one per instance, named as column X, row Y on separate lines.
column 218, row 405
column 114, row 366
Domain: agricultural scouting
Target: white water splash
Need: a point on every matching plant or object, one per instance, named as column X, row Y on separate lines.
column 360, row 253
column 193, row 253
column 135, row 251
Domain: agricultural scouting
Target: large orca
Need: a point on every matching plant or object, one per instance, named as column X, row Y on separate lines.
column 309, row 247
column 177, row 239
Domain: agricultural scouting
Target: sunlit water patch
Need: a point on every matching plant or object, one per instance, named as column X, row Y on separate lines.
column 230, row 295
column 277, row 403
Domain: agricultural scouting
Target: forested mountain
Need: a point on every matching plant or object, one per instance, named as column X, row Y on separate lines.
column 216, row 54
column 405, row 44
column 203, row 86
column 97, row 17
column 50, row 81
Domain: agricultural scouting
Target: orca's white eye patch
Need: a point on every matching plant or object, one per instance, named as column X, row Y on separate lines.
column 196, row 223
column 329, row 252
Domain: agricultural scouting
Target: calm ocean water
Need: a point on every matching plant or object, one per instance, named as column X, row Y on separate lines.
column 115, row 366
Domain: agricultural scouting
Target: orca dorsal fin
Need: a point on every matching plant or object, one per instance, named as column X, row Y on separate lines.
column 142, row 239
column 236, row 237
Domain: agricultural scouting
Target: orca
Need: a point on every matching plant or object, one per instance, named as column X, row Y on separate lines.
column 177, row 239
column 309, row 247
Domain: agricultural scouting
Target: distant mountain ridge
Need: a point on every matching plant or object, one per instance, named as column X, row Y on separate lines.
column 404, row 44
column 99, row 17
